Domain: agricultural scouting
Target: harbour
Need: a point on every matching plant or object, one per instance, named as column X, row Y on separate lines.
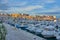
column 19, row 34
column 29, row 19
column 45, row 28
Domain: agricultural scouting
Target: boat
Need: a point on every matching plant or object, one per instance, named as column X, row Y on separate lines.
column 58, row 33
column 31, row 28
column 21, row 25
column 48, row 31
column 38, row 31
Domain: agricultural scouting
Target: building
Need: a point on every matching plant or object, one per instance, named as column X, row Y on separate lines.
column 27, row 16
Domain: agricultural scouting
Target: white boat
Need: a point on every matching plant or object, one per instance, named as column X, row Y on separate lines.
column 31, row 28
column 38, row 31
column 35, row 28
column 48, row 31
column 57, row 35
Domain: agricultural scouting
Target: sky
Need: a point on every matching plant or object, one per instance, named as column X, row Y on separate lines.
column 30, row 6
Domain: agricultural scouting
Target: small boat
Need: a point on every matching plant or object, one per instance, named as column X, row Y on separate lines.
column 21, row 25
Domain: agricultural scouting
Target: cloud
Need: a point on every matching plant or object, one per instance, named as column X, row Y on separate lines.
column 55, row 9
column 3, row 7
column 28, row 8
column 4, row 1
column 49, row 1
column 17, row 4
column 43, row 2
column 23, row 9
column 3, row 4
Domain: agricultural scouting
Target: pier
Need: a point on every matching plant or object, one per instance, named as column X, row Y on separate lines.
column 18, row 34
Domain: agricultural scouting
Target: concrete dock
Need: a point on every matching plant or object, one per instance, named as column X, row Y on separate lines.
column 18, row 34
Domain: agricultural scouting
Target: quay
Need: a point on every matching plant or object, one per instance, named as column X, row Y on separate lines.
column 18, row 34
